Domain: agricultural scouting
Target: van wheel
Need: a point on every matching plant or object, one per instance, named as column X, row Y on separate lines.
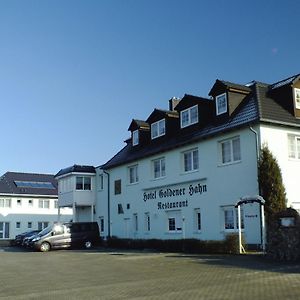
column 88, row 245
column 45, row 247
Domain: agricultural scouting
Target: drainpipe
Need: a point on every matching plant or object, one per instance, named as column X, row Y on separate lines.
column 256, row 141
column 262, row 220
column 108, row 203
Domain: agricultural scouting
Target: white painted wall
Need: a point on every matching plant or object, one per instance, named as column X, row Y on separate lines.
column 25, row 213
column 225, row 185
column 67, row 193
column 277, row 140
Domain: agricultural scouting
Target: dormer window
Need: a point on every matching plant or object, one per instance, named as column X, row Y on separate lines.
column 135, row 138
column 189, row 116
column 297, row 98
column 221, row 104
column 158, row 129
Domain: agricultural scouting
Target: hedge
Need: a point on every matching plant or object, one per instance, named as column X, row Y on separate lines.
column 228, row 246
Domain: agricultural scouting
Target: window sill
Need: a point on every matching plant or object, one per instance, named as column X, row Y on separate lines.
column 188, row 125
column 189, row 172
column 173, row 232
column 231, row 231
column 133, row 183
column 229, row 163
column 294, row 159
column 158, row 178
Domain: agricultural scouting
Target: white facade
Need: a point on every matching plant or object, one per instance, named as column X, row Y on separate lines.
column 182, row 171
column 21, row 213
column 210, row 190
column 277, row 139
column 77, row 190
column 143, row 209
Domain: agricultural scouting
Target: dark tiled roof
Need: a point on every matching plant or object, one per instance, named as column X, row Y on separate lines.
column 160, row 112
column 76, row 169
column 187, row 99
column 284, row 82
column 246, row 115
column 9, row 179
column 272, row 111
column 138, row 124
column 257, row 106
column 228, row 85
column 236, row 86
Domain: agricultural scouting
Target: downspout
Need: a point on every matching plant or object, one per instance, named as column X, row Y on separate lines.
column 256, row 141
column 262, row 220
column 108, row 202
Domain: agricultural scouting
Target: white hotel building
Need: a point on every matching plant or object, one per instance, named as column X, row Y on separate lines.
column 182, row 171
column 28, row 202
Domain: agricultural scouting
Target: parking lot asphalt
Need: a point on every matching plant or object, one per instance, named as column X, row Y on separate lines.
column 99, row 274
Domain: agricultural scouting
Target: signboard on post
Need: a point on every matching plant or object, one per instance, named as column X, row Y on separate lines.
column 248, row 200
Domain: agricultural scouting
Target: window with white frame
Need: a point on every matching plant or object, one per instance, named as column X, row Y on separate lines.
column 190, row 160
column 120, row 209
column 159, row 168
column 44, row 203
column 42, row 225
column 297, row 98
column 230, row 218
column 118, row 187
column 5, row 202
column 135, row 137
column 147, row 221
column 221, row 104
column 135, row 222
column 83, row 183
column 101, row 224
column 171, row 224
column 55, row 203
column 101, row 181
column 4, row 230
column 18, row 225
column 133, row 174
column 158, row 129
column 294, row 146
column 29, row 225
column 19, row 202
column 30, row 202
column 174, row 221
column 230, row 150
column 197, row 219
column 189, row 116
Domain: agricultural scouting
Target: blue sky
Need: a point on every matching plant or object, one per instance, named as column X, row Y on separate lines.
column 74, row 73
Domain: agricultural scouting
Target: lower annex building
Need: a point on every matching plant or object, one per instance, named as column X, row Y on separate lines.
column 182, row 170
column 28, row 202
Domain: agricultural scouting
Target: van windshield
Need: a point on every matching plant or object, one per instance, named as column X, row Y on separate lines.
column 45, row 230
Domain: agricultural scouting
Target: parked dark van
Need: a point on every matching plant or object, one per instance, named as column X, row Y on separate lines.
column 18, row 241
column 67, row 235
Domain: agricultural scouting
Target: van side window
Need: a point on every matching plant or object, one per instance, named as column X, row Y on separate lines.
column 58, row 230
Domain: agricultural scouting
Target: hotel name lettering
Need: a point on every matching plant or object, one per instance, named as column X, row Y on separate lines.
column 169, row 193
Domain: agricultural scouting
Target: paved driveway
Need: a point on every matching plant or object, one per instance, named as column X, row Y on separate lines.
column 77, row 274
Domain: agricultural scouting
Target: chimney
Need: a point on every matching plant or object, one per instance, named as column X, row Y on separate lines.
column 173, row 103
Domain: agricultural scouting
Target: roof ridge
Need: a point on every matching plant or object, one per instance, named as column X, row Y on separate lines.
column 28, row 173
column 259, row 110
column 284, row 82
column 7, row 183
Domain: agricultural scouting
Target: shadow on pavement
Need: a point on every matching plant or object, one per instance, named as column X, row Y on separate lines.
column 251, row 262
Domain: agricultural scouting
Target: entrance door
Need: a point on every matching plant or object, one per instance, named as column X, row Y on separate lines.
column 4, row 230
column 127, row 228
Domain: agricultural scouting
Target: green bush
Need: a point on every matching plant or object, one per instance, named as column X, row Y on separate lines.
column 228, row 246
